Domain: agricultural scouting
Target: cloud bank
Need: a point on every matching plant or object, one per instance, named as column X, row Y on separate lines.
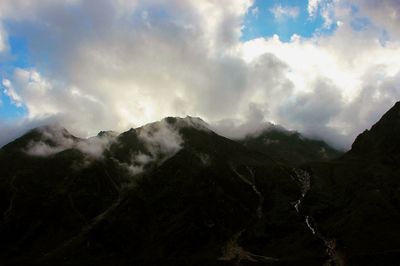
column 118, row 64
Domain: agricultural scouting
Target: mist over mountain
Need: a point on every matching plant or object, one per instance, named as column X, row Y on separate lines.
column 290, row 147
column 289, row 156
column 176, row 192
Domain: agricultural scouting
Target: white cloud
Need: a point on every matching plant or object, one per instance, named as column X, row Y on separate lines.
column 3, row 40
column 331, row 79
column 42, row 149
column 11, row 93
column 254, row 122
column 325, row 9
column 117, row 64
column 11, row 130
column 94, row 147
column 161, row 139
column 312, row 7
column 55, row 139
column 384, row 14
column 281, row 12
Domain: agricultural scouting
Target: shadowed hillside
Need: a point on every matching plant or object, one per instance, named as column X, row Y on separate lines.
column 174, row 191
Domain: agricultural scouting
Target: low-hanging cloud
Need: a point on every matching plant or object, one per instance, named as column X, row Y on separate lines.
column 119, row 64
column 55, row 139
column 161, row 139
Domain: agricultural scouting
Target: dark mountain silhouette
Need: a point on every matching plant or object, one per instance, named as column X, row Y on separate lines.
column 290, row 147
column 356, row 198
column 382, row 141
column 176, row 192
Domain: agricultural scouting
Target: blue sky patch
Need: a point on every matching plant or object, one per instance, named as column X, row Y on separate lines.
column 8, row 110
column 18, row 58
column 260, row 21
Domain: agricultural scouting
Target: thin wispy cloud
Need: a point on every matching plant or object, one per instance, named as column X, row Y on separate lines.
column 312, row 7
column 283, row 12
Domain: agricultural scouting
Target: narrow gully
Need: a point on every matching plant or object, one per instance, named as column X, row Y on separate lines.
column 336, row 258
column 232, row 249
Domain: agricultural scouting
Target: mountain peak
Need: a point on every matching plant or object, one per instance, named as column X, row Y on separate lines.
column 108, row 133
column 383, row 139
column 188, row 121
column 53, row 130
column 393, row 115
column 289, row 146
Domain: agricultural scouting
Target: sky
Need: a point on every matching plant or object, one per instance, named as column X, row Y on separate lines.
column 327, row 68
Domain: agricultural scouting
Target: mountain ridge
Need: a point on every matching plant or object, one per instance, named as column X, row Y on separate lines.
column 358, row 195
column 283, row 145
column 383, row 139
column 173, row 191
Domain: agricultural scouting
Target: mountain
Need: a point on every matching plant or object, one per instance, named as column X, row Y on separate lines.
column 175, row 192
column 382, row 141
column 289, row 147
column 171, row 190
column 355, row 200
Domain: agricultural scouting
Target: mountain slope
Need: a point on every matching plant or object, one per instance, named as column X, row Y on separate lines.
column 289, row 147
column 382, row 141
column 356, row 198
column 175, row 192
column 48, row 198
column 171, row 190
